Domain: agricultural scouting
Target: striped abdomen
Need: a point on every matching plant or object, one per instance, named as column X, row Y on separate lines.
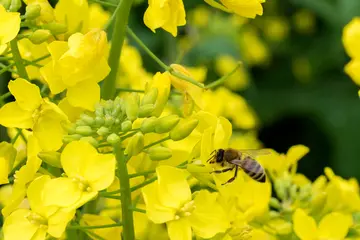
column 253, row 169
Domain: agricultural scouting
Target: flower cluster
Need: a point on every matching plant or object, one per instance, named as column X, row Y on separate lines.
column 101, row 148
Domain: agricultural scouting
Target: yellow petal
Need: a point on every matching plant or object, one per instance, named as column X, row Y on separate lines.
column 295, row 153
column 27, row 95
column 351, row 35
column 40, row 234
column 244, row 8
column 84, row 198
column 155, row 211
column 9, row 25
column 58, row 222
column 304, row 225
column 73, row 160
column 99, row 171
column 73, row 13
column 53, row 79
column 174, row 190
column 162, row 83
column 84, row 95
column 105, row 233
column 155, row 17
column 208, row 218
column 98, row 17
column 222, row 133
column 73, row 113
column 12, row 115
column 335, row 225
column 4, row 170
column 179, row 229
column 17, row 226
column 353, row 70
column 61, row 192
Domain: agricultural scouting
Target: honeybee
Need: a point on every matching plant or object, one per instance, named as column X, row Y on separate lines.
column 232, row 159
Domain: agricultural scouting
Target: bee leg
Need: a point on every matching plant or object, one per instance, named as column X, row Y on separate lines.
column 222, row 170
column 233, row 178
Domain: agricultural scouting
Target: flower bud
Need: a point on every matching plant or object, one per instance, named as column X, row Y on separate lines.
column 51, row 158
column 15, row 5
column 32, row 11
column 146, row 110
column 91, row 140
column 39, row 36
column 72, row 137
column 281, row 226
column 113, row 138
column 70, row 128
column 84, row 130
column 56, row 28
column 135, row 145
column 274, row 202
column 103, row 131
column 150, row 97
column 280, row 189
column 148, row 125
column 109, row 121
column 165, row 124
column 87, row 119
column 159, row 153
column 183, row 129
column 99, row 121
column 99, row 111
column 132, row 106
column 126, row 126
column 293, row 192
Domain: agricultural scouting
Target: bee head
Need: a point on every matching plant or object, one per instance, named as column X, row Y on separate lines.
column 220, row 155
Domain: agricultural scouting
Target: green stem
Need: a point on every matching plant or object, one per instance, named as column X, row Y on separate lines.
column 157, row 142
column 123, row 175
column 3, row 97
column 186, row 78
column 129, row 90
column 144, row 183
column 112, row 18
column 135, row 209
column 108, row 4
column 117, row 40
column 7, row 68
column 221, row 80
column 19, row 131
column 18, row 60
column 17, row 167
column 95, row 227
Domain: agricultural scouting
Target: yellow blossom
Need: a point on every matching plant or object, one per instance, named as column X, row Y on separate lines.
column 96, row 220
column 166, row 14
column 9, row 25
column 73, row 13
column 31, row 111
column 87, row 173
column 7, row 158
column 353, row 70
column 162, row 82
column 98, row 17
column 169, row 200
column 334, row 225
column 78, row 65
column 39, row 220
column 244, row 8
column 46, row 12
column 351, row 36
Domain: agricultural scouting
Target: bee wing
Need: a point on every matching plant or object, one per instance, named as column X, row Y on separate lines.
column 255, row 152
column 236, row 161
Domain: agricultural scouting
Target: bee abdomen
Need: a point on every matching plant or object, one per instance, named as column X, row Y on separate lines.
column 253, row 169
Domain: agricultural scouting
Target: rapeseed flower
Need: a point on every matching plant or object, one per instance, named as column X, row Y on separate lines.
column 30, row 111
column 9, row 25
column 7, row 158
column 169, row 200
column 244, row 8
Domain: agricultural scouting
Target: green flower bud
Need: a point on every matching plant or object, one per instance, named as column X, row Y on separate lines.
column 69, row 127
column 84, row 130
column 87, row 119
column 99, row 121
column 293, row 192
column 51, row 158
column 80, row 122
column 109, row 121
column 126, row 126
column 56, row 28
column 91, row 140
column 72, row 137
column 39, row 36
column 132, row 106
column 135, row 145
column 165, row 124
column 280, row 189
column 113, row 138
column 305, row 192
column 99, row 111
column 150, row 97
column 274, row 202
column 183, row 129
column 5, row 3
column 32, row 11
column 281, row 226
column 159, row 153
column 103, row 131
column 146, row 110
column 148, row 125
column 15, row 5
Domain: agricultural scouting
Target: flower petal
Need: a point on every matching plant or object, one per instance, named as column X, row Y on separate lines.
column 174, row 190
column 73, row 160
column 208, row 218
column 61, row 192
column 295, row 153
column 179, row 229
column 52, row 78
column 18, row 221
column 12, row 115
column 84, row 94
column 335, row 225
column 58, row 222
column 27, row 95
column 105, row 233
column 304, row 225
column 9, row 25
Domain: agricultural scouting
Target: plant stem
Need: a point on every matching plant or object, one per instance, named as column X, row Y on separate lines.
column 95, row 227
column 129, row 90
column 18, row 60
column 157, row 142
column 144, row 183
column 122, row 15
column 108, row 4
column 123, row 175
column 223, row 78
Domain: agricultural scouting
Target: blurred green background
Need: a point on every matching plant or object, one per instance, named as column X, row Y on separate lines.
column 297, row 84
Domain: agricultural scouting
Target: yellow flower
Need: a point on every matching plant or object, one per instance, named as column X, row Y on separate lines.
column 162, row 82
column 98, row 17
column 73, row 13
column 351, row 36
column 24, row 176
column 334, row 225
column 46, row 12
column 78, row 65
column 238, row 80
column 31, row 111
column 40, row 220
column 9, row 25
column 166, row 14
column 169, row 200
column 253, row 49
column 87, row 173
column 113, row 233
column 353, row 70
column 244, row 8
column 7, row 158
